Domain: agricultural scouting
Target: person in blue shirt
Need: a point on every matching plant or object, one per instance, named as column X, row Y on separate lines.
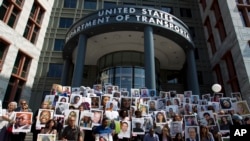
column 151, row 136
column 103, row 130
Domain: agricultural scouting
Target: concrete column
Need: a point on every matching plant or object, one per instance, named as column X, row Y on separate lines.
column 149, row 58
column 65, row 73
column 80, row 60
column 192, row 79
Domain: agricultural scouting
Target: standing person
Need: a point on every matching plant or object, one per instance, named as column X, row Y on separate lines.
column 24, row 107
column 44, row 105
column 6, row 121
column 103, row 130
column 151, row 136
column 72, row 132
column 165, row 135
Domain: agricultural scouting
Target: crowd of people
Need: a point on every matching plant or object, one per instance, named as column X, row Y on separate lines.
column 110, row 113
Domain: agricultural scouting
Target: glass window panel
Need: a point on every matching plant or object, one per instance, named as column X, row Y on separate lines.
column 167, row 9
column 65, row 22
column 108, row 4
column 70, row 3
column 117, row 58
column 55, row 70
column 108, row 60
column 58, row 45
column 90, row 4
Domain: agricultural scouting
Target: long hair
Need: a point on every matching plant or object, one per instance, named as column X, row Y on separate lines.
column 205, row 134
column 163, row 119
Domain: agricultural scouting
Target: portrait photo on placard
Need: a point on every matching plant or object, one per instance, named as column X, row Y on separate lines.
column 188, row 94
column 144, row 109
column 135, row 92
column 95, row 102
column 161, row 104
column 66, row 90
column 75, row 100
column 160, row 117
column 206, row 97
column 241, row 108
column 125, row 94
column 180, row 96
column 125, row 130
column 46, row 137
column 144, row 93
column 63, row 99
column 71, row 113
column 187, row 100
column 56, row 89
column 237, row 95
column 152, row 92
column 97, row 116
column 190, row 120
column 171, row 110
column 86, row 102
column 23, row 121
column 203, row 102
column 192, row 133
column 105, row 98
column 116, row 94
column 98, row 89
column 111, row 111
column 217, row 96
column 224, row 122
column 152, row 105
column 187, row 108
column 49, row 99
column 148, row 123
column 44, row 115
column 207, row 118
column 85, row 120
column 176, row 101
column 216, row 105
column 175, row 127
column 225, row 103
column 108, row 89
column 246, row 119
column 60, row 108
column 195, row 99
column 162, row 94
column 126, row 103
column 137, row 126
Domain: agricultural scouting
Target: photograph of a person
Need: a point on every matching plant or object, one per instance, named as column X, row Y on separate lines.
column 144, row 109
column 195, row 99
column 63, row 99
column 124, row 93
column 187, row 108
column 126, row 103
column 152, row 92
column 104, row 99
column 190, row 120
column 137, row 126
column 56, row 89
column 242, row 108
column 115, row 88
column 207, row 118
column 135, row 92
column 188, row 94
column 98, row 89
column 111, row 111
column 160, row 117
column 60, row 108
column 66, row 90
column 144, row 93
column 96, row 116
column 161, row 104
column 23, row 121
column 152, row 105
column 71, row 113
column 85, row 120
column 75, row 100
column 224, row 122
column 225, row 103
column 116, row 94
column 217, row 97
column 125, row 131
column 44, row 115
column 180, row 96
column 175, row 127
column 49, row 99
column 171, row 110
column 162, row 94
column 176, row 101
column 95, row 102
column 206, row 97
column 237, row 95
column 103, row 137
column 46, row 137
column 108, row 89
column 192, row 133
column 148, row 123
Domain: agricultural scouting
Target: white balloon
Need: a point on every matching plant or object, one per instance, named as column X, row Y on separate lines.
column 216, row 88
